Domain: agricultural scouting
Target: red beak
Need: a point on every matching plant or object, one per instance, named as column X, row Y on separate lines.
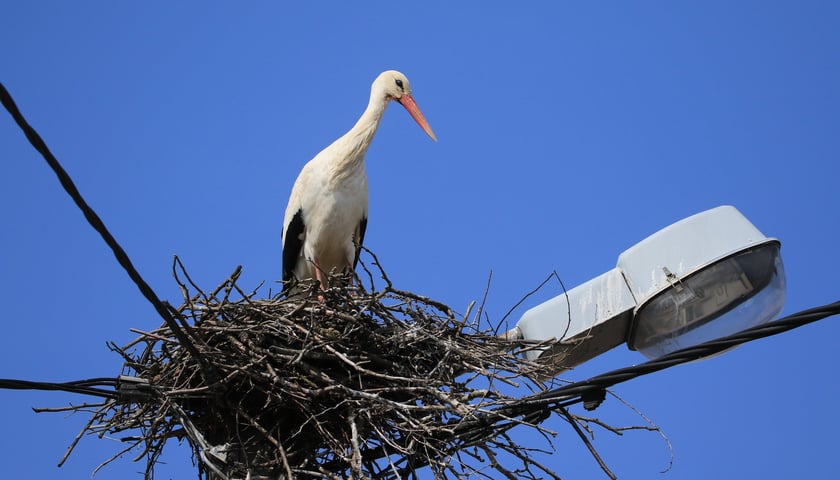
column 408, row 102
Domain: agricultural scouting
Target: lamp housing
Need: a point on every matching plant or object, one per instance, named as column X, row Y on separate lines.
column 704, row 277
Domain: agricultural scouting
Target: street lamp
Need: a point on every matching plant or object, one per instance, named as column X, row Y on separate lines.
column 704, row 277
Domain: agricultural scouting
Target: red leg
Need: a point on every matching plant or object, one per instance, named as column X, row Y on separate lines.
column 318, row 273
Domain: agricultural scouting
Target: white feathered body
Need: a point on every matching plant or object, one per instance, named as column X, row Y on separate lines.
column 333, row 205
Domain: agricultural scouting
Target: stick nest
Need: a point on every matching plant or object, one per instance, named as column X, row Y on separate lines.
column 342, row 383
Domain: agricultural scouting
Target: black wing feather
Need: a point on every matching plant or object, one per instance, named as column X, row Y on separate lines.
column 292, row 244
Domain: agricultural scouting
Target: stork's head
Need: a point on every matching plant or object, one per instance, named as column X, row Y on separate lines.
column 393, row 85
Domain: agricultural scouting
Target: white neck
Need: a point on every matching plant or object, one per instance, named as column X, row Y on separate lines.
column 355, row 142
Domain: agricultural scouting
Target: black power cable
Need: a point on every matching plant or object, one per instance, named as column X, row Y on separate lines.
column 123, row 388
column 83, row 387
column 95, row 222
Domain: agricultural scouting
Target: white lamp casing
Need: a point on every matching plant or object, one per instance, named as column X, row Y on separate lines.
column 704, row 277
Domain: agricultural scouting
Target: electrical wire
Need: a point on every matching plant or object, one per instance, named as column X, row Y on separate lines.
column 94, row 220
column 84, row 387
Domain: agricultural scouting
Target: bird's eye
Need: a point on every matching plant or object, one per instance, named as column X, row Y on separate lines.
column 399, row 83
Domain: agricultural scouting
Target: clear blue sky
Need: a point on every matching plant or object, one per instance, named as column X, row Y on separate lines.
column 568, row 132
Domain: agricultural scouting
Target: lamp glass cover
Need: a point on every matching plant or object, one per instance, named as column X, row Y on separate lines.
column 730, row 295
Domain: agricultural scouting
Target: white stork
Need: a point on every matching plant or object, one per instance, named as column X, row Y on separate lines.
column 326, row 216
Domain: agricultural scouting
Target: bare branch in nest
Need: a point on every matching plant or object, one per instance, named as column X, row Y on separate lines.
column 361, row 384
